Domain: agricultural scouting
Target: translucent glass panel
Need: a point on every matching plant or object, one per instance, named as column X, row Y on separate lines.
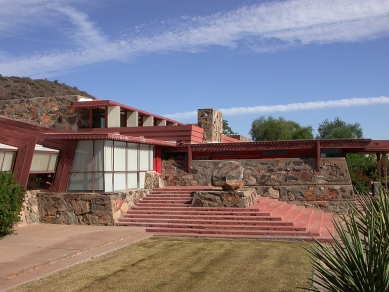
column 120, row 181
column 132, row 156
column 80, row 182
column 98, row 181
column 108, row 182
column 119, row 154
column 40, row 161
column 6, row 160
column 99, row 155
column 132, row 180
column 144, row 157
column 142, row 176
column 83, row 157
column 108, row 155
column 53, row 162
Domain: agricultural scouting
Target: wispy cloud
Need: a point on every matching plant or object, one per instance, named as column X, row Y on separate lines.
column 263, row 27
column 239, row 111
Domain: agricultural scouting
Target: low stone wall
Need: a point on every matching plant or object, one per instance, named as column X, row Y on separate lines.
column 86, row 208
column 288, row 179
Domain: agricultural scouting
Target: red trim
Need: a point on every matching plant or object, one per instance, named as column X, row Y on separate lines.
column 157, row 159
column 106, row 136
column 187, row 134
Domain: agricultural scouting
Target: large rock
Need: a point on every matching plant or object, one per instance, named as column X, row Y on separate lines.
column 237, row 199
column 228, row 175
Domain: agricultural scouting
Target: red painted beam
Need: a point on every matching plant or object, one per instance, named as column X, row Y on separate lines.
column 67, row 150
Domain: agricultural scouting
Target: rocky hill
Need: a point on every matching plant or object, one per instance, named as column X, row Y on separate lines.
column 25, row 87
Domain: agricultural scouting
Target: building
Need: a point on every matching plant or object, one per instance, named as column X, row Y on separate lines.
column 73, row 145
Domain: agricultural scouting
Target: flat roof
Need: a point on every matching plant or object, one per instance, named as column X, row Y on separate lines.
column 104, row 103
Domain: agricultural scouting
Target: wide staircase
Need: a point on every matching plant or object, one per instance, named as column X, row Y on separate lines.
column 167, row 211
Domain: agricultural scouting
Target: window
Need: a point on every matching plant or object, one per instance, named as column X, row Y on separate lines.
column 110, row 166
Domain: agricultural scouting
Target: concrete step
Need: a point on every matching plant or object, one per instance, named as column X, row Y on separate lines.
column 198, row 209
column 189, row 211
column 202, row 217
column 227, row 231
column 166, row 197
column 123, row 221
column 210, row 226
column 282, row 237
column 167, row 212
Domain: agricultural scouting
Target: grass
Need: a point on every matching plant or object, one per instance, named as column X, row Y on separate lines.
column 188, row 264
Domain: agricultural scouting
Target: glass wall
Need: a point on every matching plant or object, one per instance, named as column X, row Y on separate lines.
column 104, row 165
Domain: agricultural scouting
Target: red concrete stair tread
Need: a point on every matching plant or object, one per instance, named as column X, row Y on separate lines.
column 304, row 217
column 314, row 224
column 293, row 214
column 226, row 231
column 207, row 217
column 211, row 226
column 235, row 236
column 201, row 209
column 179, row 205
column 202, row 221
column 173, row 211
column 282, row 210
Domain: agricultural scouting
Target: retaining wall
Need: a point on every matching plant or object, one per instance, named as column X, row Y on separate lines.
column 288, row 179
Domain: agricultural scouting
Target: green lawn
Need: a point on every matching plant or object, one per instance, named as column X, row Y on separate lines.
column 188, row 264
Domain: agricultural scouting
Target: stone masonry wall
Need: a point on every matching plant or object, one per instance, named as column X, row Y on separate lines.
column 30, row 212
column 212, row 122
column 52, row 112
column 86, row 208
column 288, row 179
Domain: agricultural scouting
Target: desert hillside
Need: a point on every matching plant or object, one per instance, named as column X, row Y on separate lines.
column 25, row 87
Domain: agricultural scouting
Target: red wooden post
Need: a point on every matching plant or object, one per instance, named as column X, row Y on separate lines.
column 378, row 155
column 189, row 158
column 385, row 170
column 157, row 159
column 318, row 157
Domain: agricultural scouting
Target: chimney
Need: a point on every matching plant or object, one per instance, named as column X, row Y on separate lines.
column 212, row 122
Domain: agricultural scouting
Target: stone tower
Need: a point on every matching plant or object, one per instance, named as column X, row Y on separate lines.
column 212, row 122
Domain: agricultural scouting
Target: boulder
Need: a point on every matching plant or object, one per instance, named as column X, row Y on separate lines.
column 228, row 175
column 236, row 199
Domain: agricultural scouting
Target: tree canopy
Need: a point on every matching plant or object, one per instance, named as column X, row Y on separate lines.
column 338, row 129
column 227, row 129
column 270, row 129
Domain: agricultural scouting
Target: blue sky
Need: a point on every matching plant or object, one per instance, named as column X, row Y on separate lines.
column 304, row 60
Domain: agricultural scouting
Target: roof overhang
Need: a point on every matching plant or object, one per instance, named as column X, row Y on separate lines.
column 104, row 103
column 108, row 136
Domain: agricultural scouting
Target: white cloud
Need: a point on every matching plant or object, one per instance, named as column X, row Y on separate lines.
column 239, row 111
column 85, row 32
column 263, row 27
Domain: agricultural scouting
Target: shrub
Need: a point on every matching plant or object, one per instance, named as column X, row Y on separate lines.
column 11, row 202
column 358, row 258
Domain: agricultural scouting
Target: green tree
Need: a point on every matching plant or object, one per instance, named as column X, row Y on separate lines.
column 271, row 129
column 227, row 129
column 11, row 200
column 338, row 129
column 363, row 170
